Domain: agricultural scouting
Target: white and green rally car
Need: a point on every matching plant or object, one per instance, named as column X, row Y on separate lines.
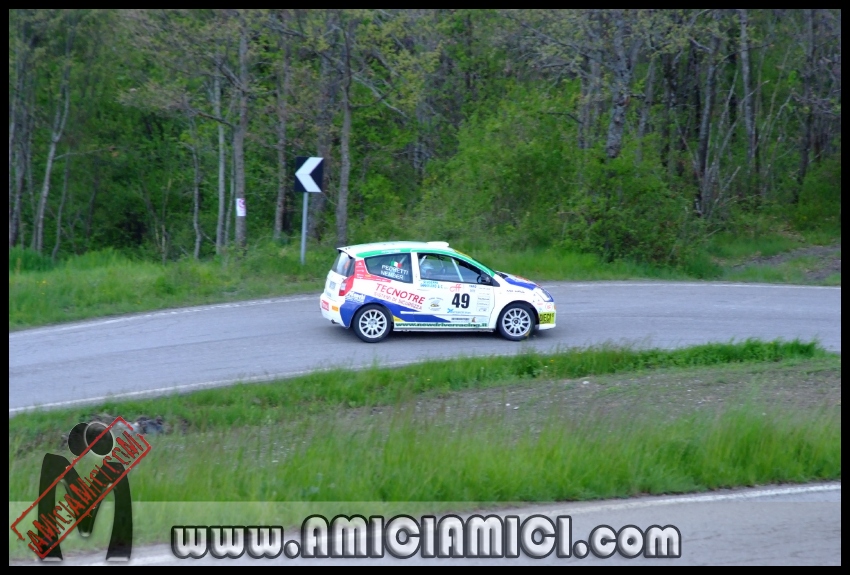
column 427, row 286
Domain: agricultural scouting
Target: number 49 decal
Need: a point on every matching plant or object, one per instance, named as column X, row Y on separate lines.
column 461, row 301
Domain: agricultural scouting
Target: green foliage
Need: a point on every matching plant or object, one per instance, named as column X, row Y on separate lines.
column 106, row 282
column 624, row 209
column 467, row 125
column 27, row 260
column 519, row 179
column 510, row 175
column 819, row 205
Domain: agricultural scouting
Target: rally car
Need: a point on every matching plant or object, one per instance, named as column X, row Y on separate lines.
column 428, row 286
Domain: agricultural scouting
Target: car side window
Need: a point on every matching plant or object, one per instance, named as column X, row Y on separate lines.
column 393, row 266
column 468, row 273
column 437, row 267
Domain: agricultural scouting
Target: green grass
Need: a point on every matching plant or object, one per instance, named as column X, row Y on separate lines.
column 433, row 465
column 107, row 283
column 277, row 402
column 483, row 458
column 735, row 249
column 358, row 442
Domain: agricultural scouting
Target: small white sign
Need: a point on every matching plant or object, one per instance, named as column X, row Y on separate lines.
column 240, row 207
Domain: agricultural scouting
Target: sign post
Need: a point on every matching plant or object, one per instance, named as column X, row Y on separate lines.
column 308, row 179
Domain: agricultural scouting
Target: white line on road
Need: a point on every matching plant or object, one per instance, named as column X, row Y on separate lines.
column 686, row 284
column 195, row 386
column 707, row 498
column 96, row 323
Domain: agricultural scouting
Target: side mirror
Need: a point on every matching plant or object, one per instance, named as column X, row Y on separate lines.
column 485, row 279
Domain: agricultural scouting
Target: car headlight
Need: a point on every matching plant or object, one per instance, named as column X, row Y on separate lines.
column 543, row 294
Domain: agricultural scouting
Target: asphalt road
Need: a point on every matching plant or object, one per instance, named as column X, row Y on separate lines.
column 186, row 349
column 773, row 525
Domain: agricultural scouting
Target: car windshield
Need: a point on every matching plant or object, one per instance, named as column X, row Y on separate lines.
column 473, row 262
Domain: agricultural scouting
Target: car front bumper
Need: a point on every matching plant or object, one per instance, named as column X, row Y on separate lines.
column 546, row 315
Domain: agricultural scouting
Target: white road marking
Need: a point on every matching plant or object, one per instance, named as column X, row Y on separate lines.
column 96, row 323
column 686, row 284
column 707, row 498
column 201, row 385
column 179, row 311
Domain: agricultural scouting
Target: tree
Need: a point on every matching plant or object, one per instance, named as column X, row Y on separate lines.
column 62, row 104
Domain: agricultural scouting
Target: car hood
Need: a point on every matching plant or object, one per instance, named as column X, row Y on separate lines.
column 518, row 281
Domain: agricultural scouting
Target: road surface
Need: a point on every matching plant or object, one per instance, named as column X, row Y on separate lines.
column 192, row 348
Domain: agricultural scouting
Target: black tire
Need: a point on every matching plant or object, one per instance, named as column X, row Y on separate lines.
column 372, row 323
column 516, row 322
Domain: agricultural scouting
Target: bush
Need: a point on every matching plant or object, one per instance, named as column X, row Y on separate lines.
column 625, row 210
column 27, row 260
column 819, row 205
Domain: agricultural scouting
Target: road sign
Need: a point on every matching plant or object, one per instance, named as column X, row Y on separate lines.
column 308, row 174
column 308, row 179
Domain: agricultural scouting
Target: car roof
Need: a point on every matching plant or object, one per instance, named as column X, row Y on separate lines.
column 361, row 250
column 378, row 248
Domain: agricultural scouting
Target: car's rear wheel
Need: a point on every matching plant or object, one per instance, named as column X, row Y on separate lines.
column 516, row 322
column 372, row 323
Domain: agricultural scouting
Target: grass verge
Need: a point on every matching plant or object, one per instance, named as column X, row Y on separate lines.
column 278, row 402
column 106, row 283
column 473, row 433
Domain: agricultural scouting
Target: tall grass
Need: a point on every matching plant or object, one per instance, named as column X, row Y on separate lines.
column 483, row 457
column 108, row 282
column 264, row 403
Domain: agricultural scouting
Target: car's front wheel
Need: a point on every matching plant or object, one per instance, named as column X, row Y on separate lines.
column 516, row 322
column 372, row 323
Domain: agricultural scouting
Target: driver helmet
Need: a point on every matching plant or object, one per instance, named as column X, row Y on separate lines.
column 427, row 268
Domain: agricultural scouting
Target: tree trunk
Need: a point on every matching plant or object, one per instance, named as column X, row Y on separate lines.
column 282, row 95
column 703, row 181
column 55, row 136
column 229, row 217
column 808, row 73
column 749, row 116
column 17, row 116
column 13, row 105
column 196, row 189
column 345, row 155
column 15, row 222
column 647, row 107
column 239, row 140
column 95, row 188
column 222, row 160
column 621, row 84
column 62, row 107
column 61, row 206
column 329, row 85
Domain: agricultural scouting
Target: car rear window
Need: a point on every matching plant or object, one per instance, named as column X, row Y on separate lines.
column 393, row 266
column 344, row 264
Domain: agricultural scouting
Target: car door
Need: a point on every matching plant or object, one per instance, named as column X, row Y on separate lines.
column 394, row 286
column 454, row 298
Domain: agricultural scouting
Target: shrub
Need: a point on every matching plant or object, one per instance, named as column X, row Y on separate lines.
column 819, row 205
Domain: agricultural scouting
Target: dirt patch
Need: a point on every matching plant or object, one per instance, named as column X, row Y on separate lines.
column 822, row 261
column 665, row 394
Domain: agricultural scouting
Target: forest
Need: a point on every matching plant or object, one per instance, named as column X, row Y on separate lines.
column 629, row 134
